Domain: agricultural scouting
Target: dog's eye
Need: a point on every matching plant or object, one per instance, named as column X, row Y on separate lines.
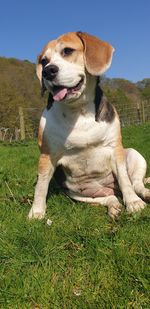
column 67, row 51
column 44, row 62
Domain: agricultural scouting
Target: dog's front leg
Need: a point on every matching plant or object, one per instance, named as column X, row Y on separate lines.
column 45, row 173
column 130, row 198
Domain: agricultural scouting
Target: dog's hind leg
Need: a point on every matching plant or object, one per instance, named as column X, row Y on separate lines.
column 136, row 166
column 111, row 202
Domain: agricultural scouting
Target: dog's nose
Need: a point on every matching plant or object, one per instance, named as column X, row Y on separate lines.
column 50, row 71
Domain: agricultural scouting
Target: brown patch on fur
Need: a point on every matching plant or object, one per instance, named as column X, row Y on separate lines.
column 42, row 144
column 50, row 45
column 71, row 39
column 98, row 54
column 40, row 136
column 119, row 150
column 43, row 163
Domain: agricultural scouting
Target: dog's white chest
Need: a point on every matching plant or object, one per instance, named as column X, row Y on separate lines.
column 64, row 133
column 83, row 132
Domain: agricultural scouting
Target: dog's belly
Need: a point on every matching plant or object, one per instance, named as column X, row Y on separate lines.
column 88, row 173
column 92, row 186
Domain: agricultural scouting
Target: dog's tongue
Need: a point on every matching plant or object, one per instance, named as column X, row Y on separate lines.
column 60, row 94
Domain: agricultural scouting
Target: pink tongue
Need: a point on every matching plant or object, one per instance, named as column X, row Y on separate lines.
column 59, row 95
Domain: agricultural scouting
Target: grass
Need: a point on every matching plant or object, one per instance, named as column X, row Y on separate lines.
column 83, row 260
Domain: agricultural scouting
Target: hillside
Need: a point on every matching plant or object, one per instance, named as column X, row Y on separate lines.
column 19, row 86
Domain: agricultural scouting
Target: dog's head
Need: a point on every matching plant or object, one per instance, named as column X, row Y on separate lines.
column 64, row 64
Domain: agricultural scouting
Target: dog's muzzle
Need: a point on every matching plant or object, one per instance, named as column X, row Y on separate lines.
column 58, row 91
column 61, row 92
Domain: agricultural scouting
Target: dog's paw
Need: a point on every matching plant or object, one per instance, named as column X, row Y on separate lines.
column 114, row 210
column 135, row 205
column 146, row 195
column 36, row 214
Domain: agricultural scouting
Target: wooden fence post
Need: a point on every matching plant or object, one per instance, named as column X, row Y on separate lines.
column 138, row 112
column 143, row 111
column 22, row 124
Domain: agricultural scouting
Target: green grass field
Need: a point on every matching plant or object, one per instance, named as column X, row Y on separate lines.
column 83, row 260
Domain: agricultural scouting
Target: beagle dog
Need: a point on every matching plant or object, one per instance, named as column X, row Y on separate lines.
column 79, row 134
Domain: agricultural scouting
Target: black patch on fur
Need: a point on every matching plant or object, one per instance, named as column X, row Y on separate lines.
column 98, row 97
column 50, row 97
column 49, row 101
column 60, row 176
column 104, row 111
column 43, row 88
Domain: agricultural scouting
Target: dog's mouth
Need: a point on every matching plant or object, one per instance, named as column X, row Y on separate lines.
column 61, row 92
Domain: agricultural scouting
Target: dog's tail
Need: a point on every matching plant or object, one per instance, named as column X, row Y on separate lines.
column 147, row 180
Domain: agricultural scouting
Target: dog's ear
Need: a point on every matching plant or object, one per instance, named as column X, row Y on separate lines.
column 39, row 74
column 39, row 68
column 98, row 54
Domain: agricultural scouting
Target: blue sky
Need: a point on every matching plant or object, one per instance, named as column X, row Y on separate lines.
column 27, row 25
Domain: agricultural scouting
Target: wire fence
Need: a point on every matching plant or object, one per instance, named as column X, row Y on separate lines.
column 26, row 122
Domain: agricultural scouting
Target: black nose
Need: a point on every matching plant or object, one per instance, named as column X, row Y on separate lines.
column 50, row 71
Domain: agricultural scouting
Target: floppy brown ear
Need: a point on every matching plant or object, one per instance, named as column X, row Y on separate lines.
column 39, row 75
column 39, row 68
column 98, row 54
